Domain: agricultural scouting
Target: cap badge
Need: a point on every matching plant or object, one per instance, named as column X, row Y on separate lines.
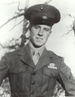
column 41, row 7
column 52, row 66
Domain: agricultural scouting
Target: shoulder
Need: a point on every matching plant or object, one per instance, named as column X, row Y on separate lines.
column 12, row 59
column 55, row 56
column 9, row 56
column 61, row 65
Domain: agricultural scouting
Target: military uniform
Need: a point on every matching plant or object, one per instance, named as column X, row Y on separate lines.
column 30, row 80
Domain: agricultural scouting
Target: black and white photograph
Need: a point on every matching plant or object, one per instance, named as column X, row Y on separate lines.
column 37, row 48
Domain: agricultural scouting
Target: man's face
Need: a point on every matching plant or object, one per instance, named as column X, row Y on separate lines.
column 39, row 34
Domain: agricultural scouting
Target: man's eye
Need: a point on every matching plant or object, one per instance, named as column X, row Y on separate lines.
column 46, row 29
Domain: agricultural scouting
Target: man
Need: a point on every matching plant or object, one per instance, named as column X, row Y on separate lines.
column 33, row 70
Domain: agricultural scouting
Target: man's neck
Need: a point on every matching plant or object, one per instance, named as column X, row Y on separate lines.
column 33, row 48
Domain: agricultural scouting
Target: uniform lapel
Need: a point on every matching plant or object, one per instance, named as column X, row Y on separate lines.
column 45, row 59
column 26, row 57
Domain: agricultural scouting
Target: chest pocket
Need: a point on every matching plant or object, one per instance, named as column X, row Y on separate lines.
column 50, row 72
column 19, row 76
column 19, row 67
column 20, row 71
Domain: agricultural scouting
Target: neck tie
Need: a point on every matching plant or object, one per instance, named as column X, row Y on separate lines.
column 35, row 57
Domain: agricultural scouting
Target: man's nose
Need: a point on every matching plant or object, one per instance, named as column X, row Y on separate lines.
column 40, row 33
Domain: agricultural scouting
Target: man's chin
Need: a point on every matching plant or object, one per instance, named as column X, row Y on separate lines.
column 38, row 45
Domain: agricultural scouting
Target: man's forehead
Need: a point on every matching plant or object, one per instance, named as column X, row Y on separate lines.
column 42, row 26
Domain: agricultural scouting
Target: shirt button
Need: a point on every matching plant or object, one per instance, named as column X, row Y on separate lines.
column 33, row 73
column 33, row 82
column 32, row 93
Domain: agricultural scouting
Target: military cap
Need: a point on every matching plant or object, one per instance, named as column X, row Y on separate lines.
column 42, row 14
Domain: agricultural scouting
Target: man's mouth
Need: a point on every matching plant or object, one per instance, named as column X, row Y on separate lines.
column 38, row 38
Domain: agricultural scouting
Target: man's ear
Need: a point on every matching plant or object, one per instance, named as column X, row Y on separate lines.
column 50, row 30
column 50, row 33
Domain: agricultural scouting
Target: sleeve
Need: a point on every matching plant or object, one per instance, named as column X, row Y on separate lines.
column 3, row 68
column 66, row 79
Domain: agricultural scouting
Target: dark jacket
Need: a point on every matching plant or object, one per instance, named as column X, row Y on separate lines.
column 28, row 80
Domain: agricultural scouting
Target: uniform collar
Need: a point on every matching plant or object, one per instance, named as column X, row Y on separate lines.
column 27, row 60
column 34, row 50
column 25, row 56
